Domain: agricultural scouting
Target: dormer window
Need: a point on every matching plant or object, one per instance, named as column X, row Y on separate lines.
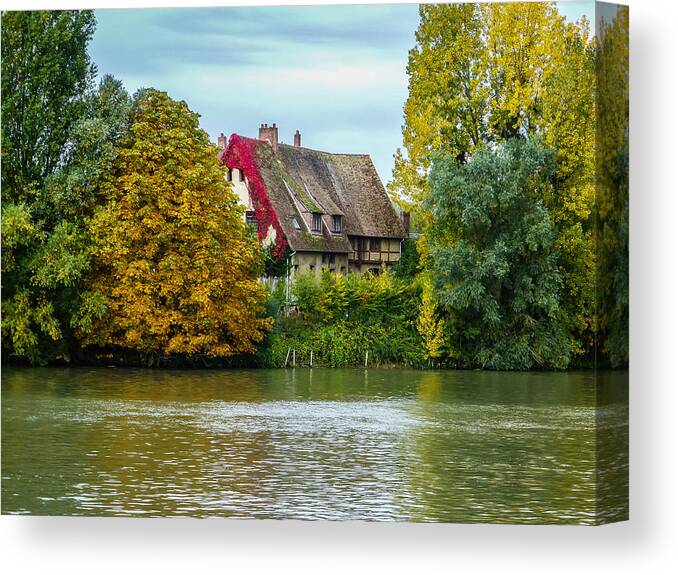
column 316, row 222
column 336, row 224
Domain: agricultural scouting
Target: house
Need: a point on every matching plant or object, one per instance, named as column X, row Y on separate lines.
column 329, row 211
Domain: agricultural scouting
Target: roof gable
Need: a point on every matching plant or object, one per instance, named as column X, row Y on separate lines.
column 300, row 181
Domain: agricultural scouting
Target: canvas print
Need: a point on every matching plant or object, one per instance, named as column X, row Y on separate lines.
column 317, row 262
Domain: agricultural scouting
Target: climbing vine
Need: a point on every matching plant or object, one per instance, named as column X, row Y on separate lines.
column 240, row 154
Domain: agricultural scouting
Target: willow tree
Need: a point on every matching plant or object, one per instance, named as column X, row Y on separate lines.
column 483, row 74
column 175, row 262
column 499, row 278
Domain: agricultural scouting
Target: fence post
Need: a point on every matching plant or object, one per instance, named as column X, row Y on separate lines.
column 311, row 358
column 294, row 358
column 367, row 354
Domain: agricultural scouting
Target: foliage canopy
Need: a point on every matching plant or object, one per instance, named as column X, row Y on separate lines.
column 493, row 257
column 482, row 75
column 46, row 102
column 174, row 260
column 46, row 73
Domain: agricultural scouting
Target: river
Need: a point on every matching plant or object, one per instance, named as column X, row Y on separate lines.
column 391, row 445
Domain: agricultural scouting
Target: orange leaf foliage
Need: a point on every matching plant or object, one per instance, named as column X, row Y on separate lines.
column 174, row 258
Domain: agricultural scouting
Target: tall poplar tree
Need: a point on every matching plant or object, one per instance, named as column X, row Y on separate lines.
column 46, row 248
column 46, row 73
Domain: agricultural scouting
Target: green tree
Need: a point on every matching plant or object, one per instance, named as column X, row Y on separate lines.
column 408, row 264
column 46, row 247
column 174, row 260
column 481, row 74
column 46, row 73
column 447, row 96
column 46, row 99
column 71, row 192
column 493, row 256
column 341, row 317
column 612, row 186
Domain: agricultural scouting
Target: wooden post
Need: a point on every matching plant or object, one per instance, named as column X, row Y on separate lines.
column 294, row 358
column 311, row 358
column 287, row 356
column 367, row 354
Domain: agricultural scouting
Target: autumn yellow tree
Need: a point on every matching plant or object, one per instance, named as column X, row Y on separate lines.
column 174, row 261
column 480, row 74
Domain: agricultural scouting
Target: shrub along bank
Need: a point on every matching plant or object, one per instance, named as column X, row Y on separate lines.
column 342, row 318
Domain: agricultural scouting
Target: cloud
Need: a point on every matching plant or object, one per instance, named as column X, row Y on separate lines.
column 335, row 72
column 374, row 26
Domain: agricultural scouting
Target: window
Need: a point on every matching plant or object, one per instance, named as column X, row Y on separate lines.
column 229, row 175
column 375, row 244
column 331, row 256
column 295, row 224
column 336, row 224
column 316, row 220
column 251, row 219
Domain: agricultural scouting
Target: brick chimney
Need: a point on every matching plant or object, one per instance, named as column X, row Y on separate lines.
column 221, row 141
column 297, row 139
column 269, row 133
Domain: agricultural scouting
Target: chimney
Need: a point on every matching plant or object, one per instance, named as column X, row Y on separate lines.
column 270, row 134
column 297, row 139
column 221, row 141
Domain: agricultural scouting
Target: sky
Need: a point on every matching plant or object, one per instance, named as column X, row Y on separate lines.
column 335, row 73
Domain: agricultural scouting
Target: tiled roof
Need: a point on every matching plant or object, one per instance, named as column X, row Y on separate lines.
column 300, row 181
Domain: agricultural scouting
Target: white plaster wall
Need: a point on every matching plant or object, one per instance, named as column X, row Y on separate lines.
column 239, row 185
column 240, row 188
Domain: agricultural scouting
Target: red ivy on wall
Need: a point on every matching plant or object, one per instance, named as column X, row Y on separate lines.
column 240, row 154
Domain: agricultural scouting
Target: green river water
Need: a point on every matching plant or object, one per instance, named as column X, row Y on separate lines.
column 400, row 445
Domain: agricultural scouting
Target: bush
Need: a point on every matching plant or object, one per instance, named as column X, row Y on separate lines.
column 341, row 317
